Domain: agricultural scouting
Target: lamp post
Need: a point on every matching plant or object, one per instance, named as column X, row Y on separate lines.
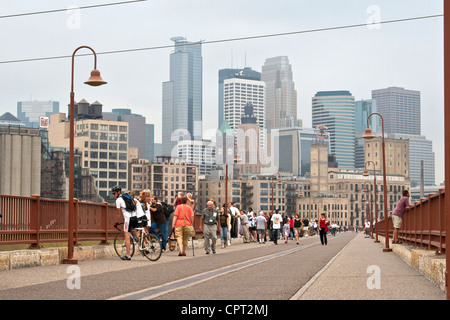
column 447, row 129
column 366, row 174
column 94, row 80
column 369, row 135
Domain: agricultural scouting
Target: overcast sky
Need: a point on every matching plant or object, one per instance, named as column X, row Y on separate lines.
column 407, row 54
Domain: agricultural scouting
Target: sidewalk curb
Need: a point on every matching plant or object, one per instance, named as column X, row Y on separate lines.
column 17, row 259
column 427, row 262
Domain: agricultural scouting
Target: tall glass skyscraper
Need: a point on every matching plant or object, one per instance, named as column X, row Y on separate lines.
column 363, row 109
column 182, row 95
column 281, row 96
column 336, row 111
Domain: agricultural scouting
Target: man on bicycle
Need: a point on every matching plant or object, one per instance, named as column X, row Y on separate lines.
column 130, row 220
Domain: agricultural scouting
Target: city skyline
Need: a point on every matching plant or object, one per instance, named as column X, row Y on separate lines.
column 384, row 60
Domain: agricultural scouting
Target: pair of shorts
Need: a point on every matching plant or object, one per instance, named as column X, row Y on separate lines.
column 298, row 230
column 130, row 223
column 181, row 235
column 305, row 228
column 396, row 221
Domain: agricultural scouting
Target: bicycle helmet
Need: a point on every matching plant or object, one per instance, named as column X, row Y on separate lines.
column 116, row 189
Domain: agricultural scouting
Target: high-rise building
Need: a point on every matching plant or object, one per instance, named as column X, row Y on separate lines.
column 400, row 109
column 237, row 94
column 199, row 153
column 248, row 146
column 290, row 149
column 336, row 111
column 138, row 136
column 103, row 145
column 420, row 149
column 281, row 96
column 246, row 73
column 363, row 109
column 29, row 112
column 182, row 95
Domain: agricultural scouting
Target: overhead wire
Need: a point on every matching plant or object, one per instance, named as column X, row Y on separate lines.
column 15, row 15
column 230, row 39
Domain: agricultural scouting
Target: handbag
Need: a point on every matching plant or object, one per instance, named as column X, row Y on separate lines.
column 188, row 230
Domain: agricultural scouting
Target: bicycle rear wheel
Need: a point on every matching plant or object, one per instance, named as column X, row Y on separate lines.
column 152, row 247
column 120, row 247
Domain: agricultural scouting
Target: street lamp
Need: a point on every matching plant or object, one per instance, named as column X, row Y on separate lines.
column 94, row 80
column 366, row 174
column 369, row 135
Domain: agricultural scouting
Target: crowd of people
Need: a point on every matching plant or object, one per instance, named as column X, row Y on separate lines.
column 232, row 222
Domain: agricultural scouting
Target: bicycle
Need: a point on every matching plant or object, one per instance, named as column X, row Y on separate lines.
column 148, row 244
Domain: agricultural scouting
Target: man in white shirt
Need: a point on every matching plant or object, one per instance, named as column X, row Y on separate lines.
column 367, row 229
column 129, row 218
column 232, row 233
column 276, row 225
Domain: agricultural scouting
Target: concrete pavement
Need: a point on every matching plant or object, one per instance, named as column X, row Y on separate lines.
column 362, row 271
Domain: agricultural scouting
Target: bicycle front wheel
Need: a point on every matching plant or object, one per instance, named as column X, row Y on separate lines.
column 120, row 246
column 152, row 247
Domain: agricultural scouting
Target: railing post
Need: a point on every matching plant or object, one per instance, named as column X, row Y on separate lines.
column 105, row 222
column 76, row 222
column 441, row 218
column 429, row 220
column 35, row 219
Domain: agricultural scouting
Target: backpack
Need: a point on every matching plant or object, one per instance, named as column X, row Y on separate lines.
column 130, row 205
column 167, row 209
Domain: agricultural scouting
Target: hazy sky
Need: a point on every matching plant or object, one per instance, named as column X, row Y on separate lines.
column 407, row 54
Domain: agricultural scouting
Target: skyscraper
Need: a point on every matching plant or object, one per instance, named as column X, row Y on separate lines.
column 281, row 96
column 237, row 94
column 246, row 73
column 336, row 111
column 182, row 95
column 400, row 109
column 363, row 109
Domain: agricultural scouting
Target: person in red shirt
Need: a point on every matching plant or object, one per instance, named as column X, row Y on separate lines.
column 323, row 229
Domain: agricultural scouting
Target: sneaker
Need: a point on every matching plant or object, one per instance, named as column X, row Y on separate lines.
column 125, row 257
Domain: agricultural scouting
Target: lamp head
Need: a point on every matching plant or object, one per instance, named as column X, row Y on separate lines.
column 95, row 79
column 366, row 173
column 368, row 134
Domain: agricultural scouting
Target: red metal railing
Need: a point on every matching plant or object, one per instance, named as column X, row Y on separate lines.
column 423, row 224
column 35, row 220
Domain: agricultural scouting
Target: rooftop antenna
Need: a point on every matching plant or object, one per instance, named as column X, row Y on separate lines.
column 231, row 59
column 245, row 59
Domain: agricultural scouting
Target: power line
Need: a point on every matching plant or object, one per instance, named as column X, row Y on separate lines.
column 61, row 10
column 228, row 40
